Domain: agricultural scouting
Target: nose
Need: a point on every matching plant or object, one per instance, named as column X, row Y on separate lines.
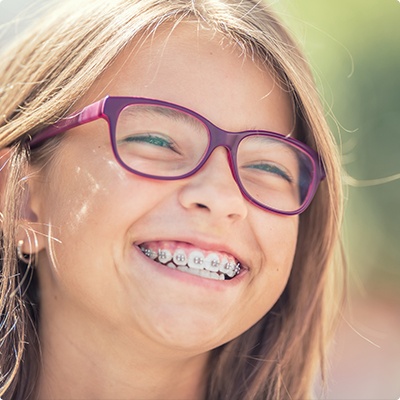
column 213, row 191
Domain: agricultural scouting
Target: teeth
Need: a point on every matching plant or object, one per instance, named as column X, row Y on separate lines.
column 211, row 275
column 231, row 269
column 222, row 265
column 180, row 257
column 196, row 260
column 211, row 266
column 211, row 262
column 164, row 256
column 149, row 253
column 192, row 271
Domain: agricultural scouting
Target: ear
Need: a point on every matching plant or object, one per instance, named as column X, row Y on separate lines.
column 30, row 229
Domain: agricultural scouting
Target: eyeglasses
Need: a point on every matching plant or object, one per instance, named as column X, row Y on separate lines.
column 160, row 140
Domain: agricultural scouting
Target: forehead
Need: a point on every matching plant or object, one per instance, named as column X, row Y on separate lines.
column 196, row 67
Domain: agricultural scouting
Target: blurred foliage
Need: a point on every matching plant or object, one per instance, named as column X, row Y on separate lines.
column 354, row 48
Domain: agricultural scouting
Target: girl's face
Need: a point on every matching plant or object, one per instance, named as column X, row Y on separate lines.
column 93, row 272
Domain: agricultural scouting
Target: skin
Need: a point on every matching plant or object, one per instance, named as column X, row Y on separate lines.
column 113, row 323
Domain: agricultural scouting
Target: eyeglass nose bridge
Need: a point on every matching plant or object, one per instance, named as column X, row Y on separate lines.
column 230, row 141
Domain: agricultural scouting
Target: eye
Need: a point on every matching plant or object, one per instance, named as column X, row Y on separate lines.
column 151, row 139
column 271, row 169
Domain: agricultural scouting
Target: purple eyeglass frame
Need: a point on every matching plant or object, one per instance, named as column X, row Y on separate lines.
column 110, row 107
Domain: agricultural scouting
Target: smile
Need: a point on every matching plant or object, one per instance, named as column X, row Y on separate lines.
column 206, row 264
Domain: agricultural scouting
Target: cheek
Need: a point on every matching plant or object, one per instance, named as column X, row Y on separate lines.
column 280, row 251
column 280, row 240
column 73, row 210
column 83, row 188
column 92, row 203
column 276, row 238
column 275, row 235
column 79, row 189
column 272, row 240
column 87, row 212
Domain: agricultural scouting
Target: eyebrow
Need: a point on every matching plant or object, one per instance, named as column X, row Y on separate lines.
column 262, row 138
column 165, row 111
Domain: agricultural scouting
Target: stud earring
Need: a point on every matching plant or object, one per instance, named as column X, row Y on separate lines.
column 26, row 258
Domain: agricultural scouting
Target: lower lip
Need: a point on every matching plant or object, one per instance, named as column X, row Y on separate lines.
column 170, row 273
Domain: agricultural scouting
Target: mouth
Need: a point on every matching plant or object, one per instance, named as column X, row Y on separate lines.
column 186, row 258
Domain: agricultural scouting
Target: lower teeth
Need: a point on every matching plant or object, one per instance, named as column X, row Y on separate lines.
column 201, row 272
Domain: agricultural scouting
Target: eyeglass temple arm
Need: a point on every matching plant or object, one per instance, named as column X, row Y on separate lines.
column 88, row 114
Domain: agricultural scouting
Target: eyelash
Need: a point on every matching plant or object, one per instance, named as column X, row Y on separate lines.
column 273, row 169
column 152, row 139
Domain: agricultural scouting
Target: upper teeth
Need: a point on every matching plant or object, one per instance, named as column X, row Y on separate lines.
column 164, row 256
column 180, row 257
column 195, row 260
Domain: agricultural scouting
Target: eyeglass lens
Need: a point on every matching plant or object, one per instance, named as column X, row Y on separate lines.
column 165, row 142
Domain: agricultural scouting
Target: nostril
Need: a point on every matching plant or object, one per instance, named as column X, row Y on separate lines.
column 199, row 205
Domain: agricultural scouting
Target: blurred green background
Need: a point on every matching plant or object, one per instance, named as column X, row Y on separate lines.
column 354, row 48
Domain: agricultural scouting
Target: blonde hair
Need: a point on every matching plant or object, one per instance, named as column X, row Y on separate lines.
column 47, row 71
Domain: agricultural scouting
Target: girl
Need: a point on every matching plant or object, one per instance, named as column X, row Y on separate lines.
column 170, row 206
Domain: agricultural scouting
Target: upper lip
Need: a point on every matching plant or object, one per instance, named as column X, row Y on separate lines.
column 202, row 244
